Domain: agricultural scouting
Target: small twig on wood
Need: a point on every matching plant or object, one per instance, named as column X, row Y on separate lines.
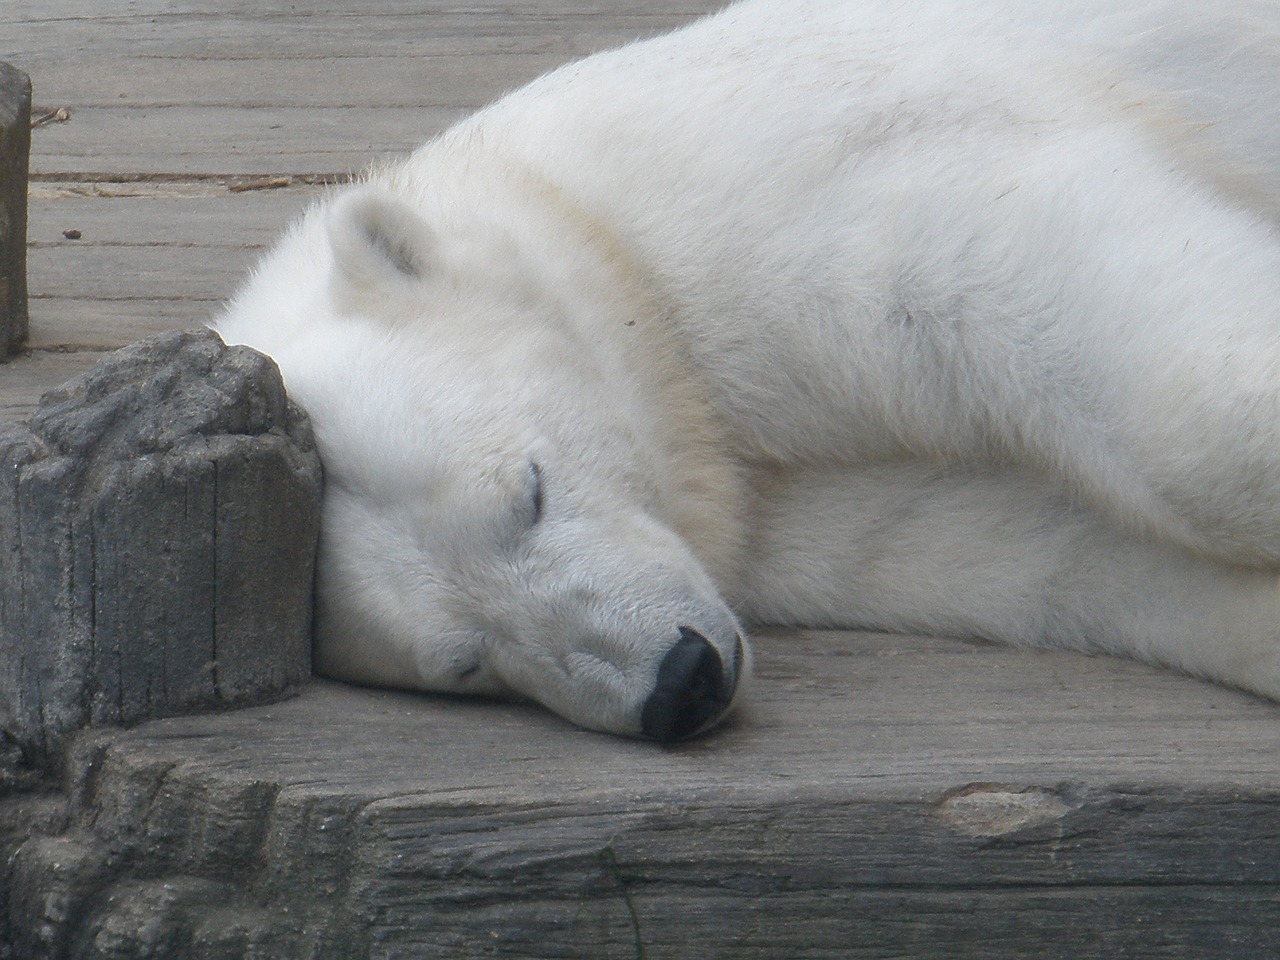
column 259, row 183
column 60, row 115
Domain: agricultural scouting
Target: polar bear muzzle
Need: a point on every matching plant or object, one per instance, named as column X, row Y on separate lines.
column 693, row 689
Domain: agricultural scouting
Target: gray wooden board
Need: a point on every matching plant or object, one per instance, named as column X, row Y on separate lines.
column 163, row 92
column 149, row 257
column 231, row 28
column 436, row 71
column 187, row 214
column 1126, row 812
column 139, row 501
column 118, row 272
column 885, row 796
column 197, row 140
column 25, row 378
column 880, row 714
column 243, row 90
column 100, row 325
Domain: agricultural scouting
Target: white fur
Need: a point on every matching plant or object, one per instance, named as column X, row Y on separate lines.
column 957, row 316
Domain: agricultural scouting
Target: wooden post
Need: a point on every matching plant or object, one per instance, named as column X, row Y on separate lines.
column 158, row 524
column 15, row 150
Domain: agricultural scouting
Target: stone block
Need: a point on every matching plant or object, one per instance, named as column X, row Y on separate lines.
column 15, row 149
column 158, row 525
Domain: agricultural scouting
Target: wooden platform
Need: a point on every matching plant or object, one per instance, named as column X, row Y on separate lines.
column 186, row 118
column 885, row 797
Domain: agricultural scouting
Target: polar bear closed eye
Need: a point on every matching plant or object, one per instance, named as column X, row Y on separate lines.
column 838, row 314
column 501, row 513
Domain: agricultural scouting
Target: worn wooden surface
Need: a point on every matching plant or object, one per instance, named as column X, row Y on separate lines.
column 160, row 516
column 15, row 145
column 885, row 797
column 175, row 108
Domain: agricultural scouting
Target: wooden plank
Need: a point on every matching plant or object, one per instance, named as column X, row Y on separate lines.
column 25, row 377
column 130, row 509
column 61, row 325
column 885, row 796
column 316, row 60
column 196, row 214
column 872, row 716
column 627, row 919
column 54, row 11
column 194, row 91
column 467, row 78
column 200, row 141
column 114, row 284
column 56, row 20
column 137, row 271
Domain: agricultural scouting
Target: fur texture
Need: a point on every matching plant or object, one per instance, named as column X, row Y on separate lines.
column 954, row 316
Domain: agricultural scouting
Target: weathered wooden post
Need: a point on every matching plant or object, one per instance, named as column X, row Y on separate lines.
column 158, row 525
column 15, row 149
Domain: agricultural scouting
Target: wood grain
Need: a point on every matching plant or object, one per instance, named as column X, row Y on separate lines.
column 886, row 796
column 883, row 797
column 243, row 90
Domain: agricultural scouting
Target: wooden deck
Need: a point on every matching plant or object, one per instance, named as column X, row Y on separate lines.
column 184, row 118
column 885, row 797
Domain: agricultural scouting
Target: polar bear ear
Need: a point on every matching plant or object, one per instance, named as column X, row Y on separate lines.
column 380, row 246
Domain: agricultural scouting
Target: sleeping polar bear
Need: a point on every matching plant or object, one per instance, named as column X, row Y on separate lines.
column 951, row 316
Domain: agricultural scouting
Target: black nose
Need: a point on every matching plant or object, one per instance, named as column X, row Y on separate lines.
column 690, row 692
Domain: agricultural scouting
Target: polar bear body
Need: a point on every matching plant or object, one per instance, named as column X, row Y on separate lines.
column 953, row 317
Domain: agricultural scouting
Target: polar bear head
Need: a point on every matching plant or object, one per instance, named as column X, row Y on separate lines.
column 510, row 506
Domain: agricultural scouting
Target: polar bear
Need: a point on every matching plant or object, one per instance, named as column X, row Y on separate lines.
column 956, row 316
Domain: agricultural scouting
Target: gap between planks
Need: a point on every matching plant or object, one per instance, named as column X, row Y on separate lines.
column 170, row 186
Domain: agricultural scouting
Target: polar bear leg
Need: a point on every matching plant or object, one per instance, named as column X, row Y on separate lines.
column 1002, row 556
